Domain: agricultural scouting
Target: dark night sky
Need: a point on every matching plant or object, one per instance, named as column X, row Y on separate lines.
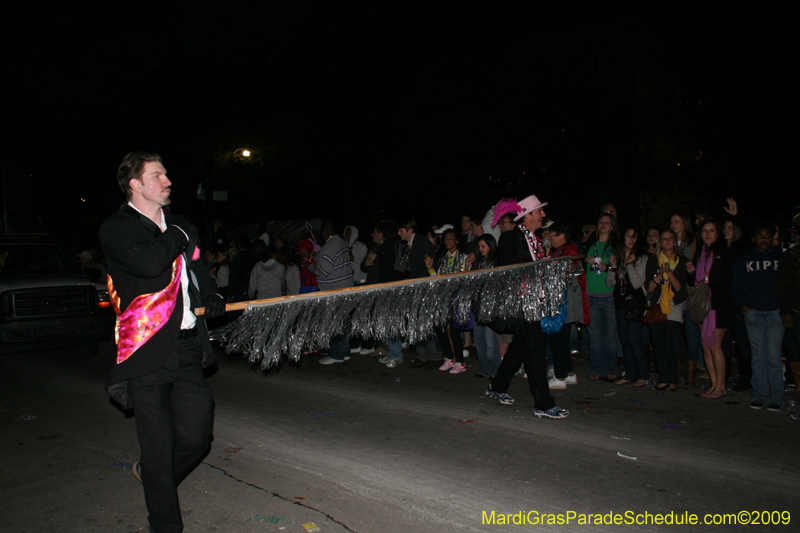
column 361, row 108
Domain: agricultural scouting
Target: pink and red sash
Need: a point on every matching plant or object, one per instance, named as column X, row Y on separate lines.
column 145, row 315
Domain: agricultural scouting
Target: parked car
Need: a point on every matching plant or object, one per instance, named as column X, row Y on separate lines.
column 48, row 301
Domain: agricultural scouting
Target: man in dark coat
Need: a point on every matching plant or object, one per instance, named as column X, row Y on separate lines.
column 379, row 266
column 156, row 280
column 411, row 262
column 529, row 346
column 416, row 248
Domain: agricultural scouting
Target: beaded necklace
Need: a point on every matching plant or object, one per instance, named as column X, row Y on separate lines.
column 485, row 263
column 534, row 244
column 536, row 248
column 605, row 254
column 622, row 277
column 450, row 264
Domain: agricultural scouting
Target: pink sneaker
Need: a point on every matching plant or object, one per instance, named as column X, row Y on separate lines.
column 458, row 368
column 447, row 364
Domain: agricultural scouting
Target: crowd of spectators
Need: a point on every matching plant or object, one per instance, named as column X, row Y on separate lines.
column 631, row 303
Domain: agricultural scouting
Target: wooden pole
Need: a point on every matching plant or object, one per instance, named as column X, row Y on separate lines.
column 238, row 306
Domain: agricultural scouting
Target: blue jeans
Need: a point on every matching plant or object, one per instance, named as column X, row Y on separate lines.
column 395, row 349
column 765, row 330
column 791, row 348
column 340, row 345
column 694, row 350
column 743, row 345
column 602, row 335
column 488, row 350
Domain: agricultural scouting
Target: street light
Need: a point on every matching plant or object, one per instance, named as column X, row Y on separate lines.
column 244, row 152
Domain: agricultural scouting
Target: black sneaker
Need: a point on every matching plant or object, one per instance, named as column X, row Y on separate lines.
column 501, row 397
column 554, row 412
column 756, row 405
column 773, row 407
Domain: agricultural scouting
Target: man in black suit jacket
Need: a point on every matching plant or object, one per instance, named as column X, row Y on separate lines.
column 155, row 280
column 418, row 248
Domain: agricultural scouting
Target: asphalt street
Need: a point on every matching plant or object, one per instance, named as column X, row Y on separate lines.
column 358, row 447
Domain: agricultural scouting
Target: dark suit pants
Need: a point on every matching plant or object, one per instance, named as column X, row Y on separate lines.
column 529, row 348
column 173, row 408
column 562, row 359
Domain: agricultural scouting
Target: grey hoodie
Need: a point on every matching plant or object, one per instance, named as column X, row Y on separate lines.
column 266, row 278
column 359, row 251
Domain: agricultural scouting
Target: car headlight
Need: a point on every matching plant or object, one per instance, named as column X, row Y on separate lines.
column 103, row 299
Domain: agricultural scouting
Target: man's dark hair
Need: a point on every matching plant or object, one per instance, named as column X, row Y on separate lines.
column 387, row 230
column 259, row 250
column 132, row 167
column 285, row 256
column 244, row 241
column 561, row 226
column 702, row 212
column 329, row 227
column 606, row 204
column 511, row 215
column 409, row 224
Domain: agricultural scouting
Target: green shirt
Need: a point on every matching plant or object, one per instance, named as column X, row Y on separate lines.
column 596, row 280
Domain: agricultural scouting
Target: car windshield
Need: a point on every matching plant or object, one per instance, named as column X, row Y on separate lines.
column 33, row 259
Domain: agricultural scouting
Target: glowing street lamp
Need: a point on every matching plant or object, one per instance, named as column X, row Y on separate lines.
column 244, row 152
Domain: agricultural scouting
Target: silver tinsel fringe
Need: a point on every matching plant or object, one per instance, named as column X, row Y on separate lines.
column 409, row 310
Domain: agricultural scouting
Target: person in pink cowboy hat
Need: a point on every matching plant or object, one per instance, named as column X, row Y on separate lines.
column 529, row 344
